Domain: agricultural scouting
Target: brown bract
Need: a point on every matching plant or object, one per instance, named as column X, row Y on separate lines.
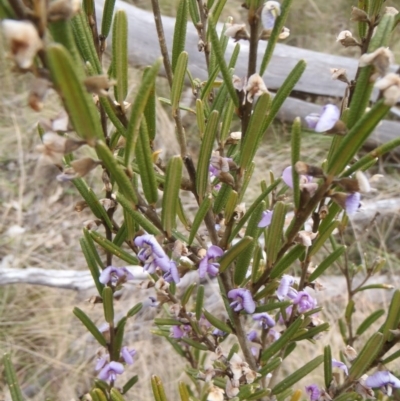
column 390, row 87
column 381, row 59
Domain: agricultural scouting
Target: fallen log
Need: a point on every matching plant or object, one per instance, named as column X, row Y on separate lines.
column 143, row 49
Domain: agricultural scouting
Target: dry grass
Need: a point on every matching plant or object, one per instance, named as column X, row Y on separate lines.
column 53, row 355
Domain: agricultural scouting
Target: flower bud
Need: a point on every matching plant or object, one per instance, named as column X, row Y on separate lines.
column 359, row 15
column 323, row 212
column 23, row 40
column 346, row 39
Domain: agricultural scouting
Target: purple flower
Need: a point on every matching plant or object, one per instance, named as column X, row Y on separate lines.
column 304, row 301
column 285, row 286
column 313, row 392
column 265, row 320
column 152, row 255
column 110, row 371
column 242, row 300
column 208, row 263
column 127, row 355
column 340, row 365
column 218, row 333
column 219, row 164
column 115, row 274
column 287, row 177
column 252, row 335
column 273, row 335
column 383, row 379
column 180, row 331
column 101, row 361
column 325, row 121
column 352, row 202
column 265, row 219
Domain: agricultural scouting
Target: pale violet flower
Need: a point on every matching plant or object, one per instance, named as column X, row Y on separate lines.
column 269, row 14
column 266, row 321
column 110, row 371
column 115, row 274
column 352, row 202
column 287, row 177
column 242, row 299
column 304, row 301
column 340, row 365
column 208, row 264
column 127, row 355
column 285, row 287
column 325, row 121
column 180, row 331
column 384, row 380
column 313, row 392
column 266, row 219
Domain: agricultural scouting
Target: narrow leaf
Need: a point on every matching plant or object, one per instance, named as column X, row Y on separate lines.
column 322, row 238
column 92, row 264
column 108, row 11
column 393, row 316
column 217, row 323
column 178, row 44
column 81, row 315
column 199, row 301
column 286, row 261
column 116, row 395
column 135, row 309
column 296, row 145
column 171, row 194
column 11, row 379
column 199, row 218
column 275, row 232
column 369, row 321
column 108, row 304
column 129, row 384
column 178, row 80
column 119, row 338
column 328, row 261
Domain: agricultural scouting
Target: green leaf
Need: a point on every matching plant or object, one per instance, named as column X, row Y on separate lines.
column 98, row 395
column 194, row 344
column 366, row 356
column 91, row 261
column 135, row 309
column 322, row 238
column 328, row 261
column 254, row 131
column 116, row 395
column 178, row 80
column 222, row 198
column 369, row 321
column 81, row 315
column 244, row 258
column 139, row 104
column 310, row 333
column 109, row 246
column 199, row 301
column 354, row 139
column 227, row 117
column 107, row 17
column 270, row 366
column 172, row 185
column 120, row 56
column 143, row 221
column 117, row 173
column 297, row 376
column 296, row 145
column 200, row 117
column 251, row 209
column 275, row 232
column 108, row 304
column 272, row 306
column 11, row 379
column 188, row 293
column 352, row 396
column 77, row 100
column 178, row 44
column 276, row 31
column 145, row 164
column 219, row 324
column 183, row 391
column 391, row 357
column 119, row 338
column 383, row 32
column 282, row 340
column 84, row 39
column 199, row 218
column 393, row 316
column 287, row 261
column 221, row 60
column 194, row 12
column 158, row 389
column 129, row 384
column 205, row 154
column 230, row 207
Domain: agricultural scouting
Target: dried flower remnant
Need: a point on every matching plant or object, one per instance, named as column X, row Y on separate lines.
column 242, row 300
column 305, row 238
column 115, row 275
column 350, row 353
column 359, row 15
column 215, row 394
column 23, row 40
column 98, row 84
column 362, row 389
column 110, row 371
column 346, row 39
column 391, row 11
column 269, row 13
column 208, row 264
column 381, row 59
column 384, row 380
column 266, row 219
column 340, row 74
column 62, row 10
column 255, row 87
column 390, row 87
column 237, row 32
